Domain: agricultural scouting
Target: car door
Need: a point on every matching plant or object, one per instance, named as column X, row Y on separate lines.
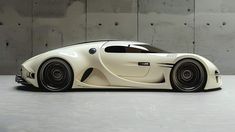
column 125, row 60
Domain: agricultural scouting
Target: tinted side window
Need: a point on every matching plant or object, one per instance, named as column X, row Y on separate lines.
column 123, row 49
column 128, row 49
column 134, row 50
column 115, row 49
column 151, row 49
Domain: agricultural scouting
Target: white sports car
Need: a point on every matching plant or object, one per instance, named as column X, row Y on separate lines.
column 119, row 64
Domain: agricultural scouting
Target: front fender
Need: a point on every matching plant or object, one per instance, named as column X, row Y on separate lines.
column 213, row 74
column 76, row 60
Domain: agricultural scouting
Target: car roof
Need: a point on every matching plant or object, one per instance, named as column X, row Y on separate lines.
column 111, row 40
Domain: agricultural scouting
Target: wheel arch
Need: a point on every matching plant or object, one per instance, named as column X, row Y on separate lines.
column 198, row 58
column 192, row 58
column 61, row 58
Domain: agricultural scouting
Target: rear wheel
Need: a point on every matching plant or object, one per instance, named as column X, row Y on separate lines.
column 55, row 75
column 188, row 75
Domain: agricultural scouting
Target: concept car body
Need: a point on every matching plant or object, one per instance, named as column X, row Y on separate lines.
column 119, row 64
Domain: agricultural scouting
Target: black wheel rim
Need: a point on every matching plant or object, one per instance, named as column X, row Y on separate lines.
column 54, row 76
column 189, row 76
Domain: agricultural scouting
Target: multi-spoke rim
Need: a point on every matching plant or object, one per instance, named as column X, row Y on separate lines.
column 188, row 75
column 55, row 75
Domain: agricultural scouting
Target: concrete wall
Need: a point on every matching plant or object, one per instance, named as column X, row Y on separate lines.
column 205, row 27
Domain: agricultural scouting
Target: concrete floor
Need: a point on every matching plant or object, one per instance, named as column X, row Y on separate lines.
column 30, row 110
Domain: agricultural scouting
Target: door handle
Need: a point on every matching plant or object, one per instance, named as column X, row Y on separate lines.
column 143, row 64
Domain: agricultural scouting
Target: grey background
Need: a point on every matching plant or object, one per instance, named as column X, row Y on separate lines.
column 30, row 27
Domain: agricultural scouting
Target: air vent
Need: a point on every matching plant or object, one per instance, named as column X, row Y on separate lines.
column 86, row 74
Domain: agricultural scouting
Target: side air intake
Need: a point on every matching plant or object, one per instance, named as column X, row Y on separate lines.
column 86, row 74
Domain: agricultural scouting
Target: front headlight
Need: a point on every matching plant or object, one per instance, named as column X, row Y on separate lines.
column 217, row 75
column 27, row 73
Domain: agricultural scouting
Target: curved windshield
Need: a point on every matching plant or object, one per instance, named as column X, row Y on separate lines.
column 151, row 49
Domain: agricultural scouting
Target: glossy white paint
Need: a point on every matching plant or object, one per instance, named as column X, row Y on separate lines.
column 125, row 65
column 116, row 70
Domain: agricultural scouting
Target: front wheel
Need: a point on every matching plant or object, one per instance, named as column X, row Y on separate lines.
column 188, row 75
column 55, row 75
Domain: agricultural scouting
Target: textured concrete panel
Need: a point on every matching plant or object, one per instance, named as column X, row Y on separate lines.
column 57, row 24
column 167, row 24
column 22, row 7
column 215, row 31
column 51, row 8
column 30, row 27
column 15, row 35
column 112, row 19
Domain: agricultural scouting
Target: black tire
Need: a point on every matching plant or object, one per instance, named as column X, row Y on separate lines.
column 188, row 75
column 55, row 75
